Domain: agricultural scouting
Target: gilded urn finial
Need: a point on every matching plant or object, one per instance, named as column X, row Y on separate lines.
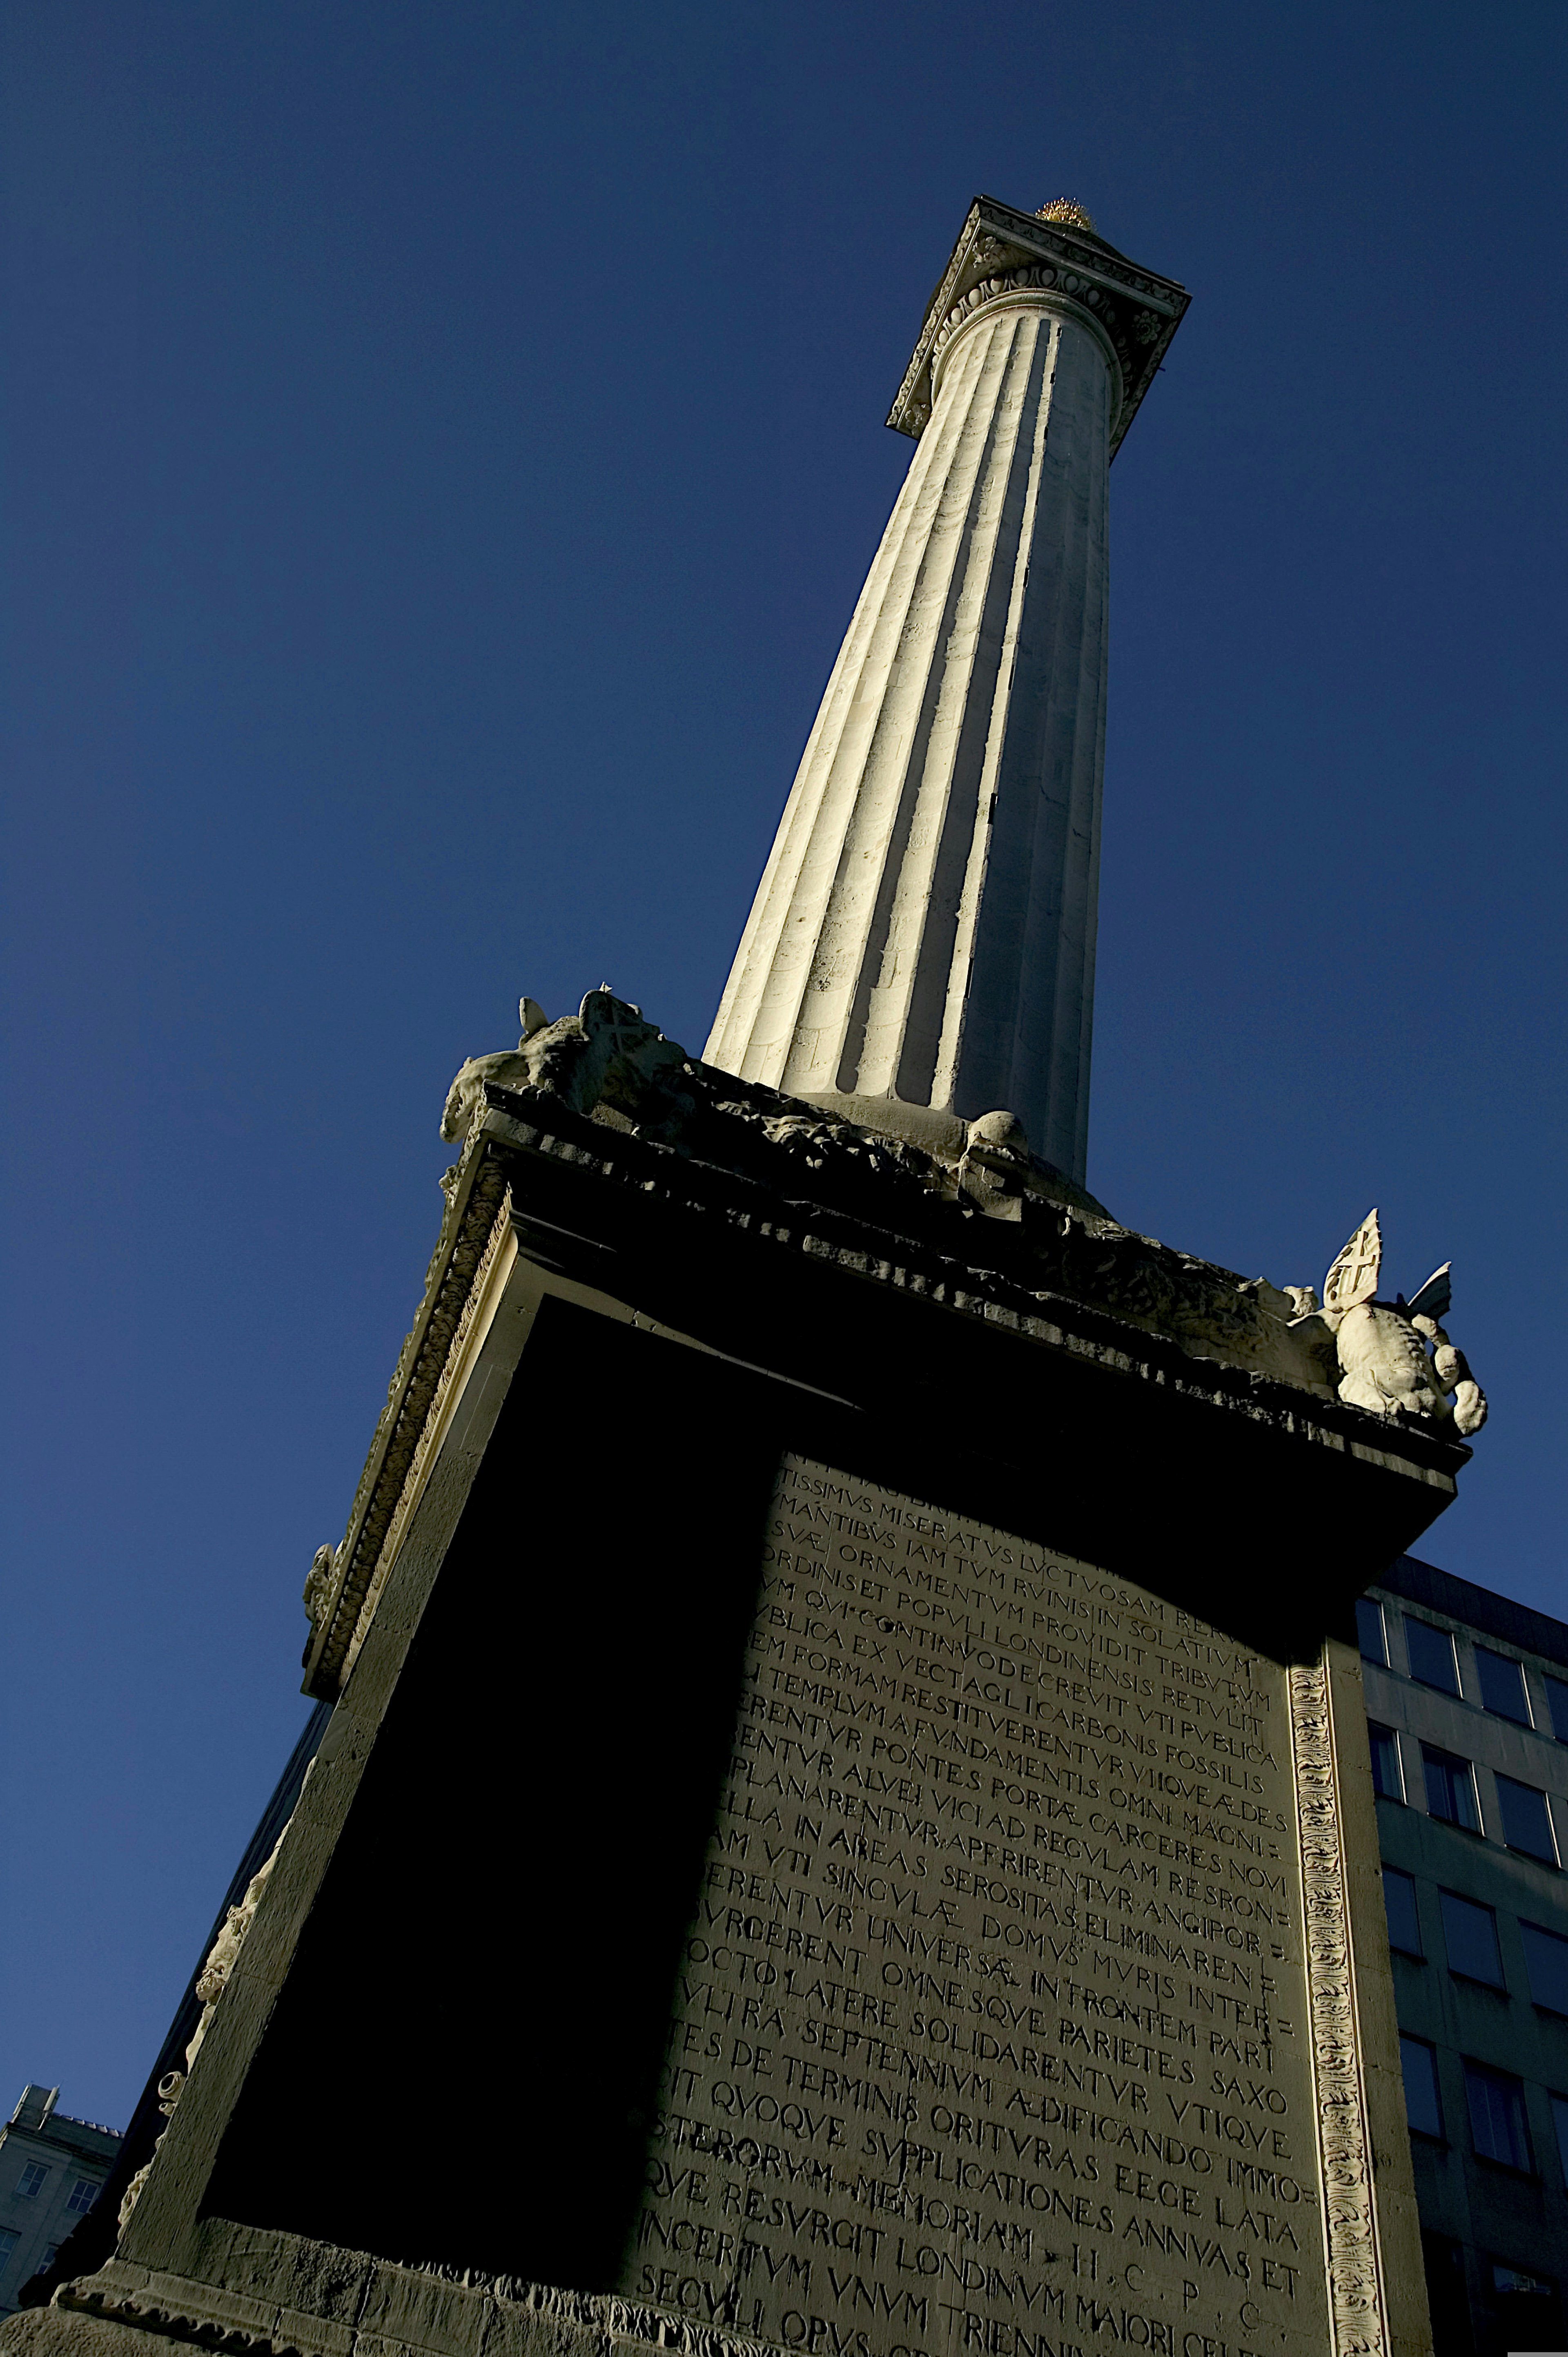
column 1065, row 209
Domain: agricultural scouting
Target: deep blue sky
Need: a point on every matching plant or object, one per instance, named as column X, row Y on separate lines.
column 443, row 446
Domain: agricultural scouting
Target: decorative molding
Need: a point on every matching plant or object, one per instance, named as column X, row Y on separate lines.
column 992, row 1234
column 1357, row 2316
column 438, row 2310
column 819, row 1209
column 474, row 1207
column 1001, row 251
column 419, row 1464
column 1069, row 294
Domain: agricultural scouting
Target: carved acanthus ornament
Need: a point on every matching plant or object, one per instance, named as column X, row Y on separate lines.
column 473, row 1205
column 1356, row 2303
column 413, row 1481
column 1001, row 251
column 215, row 1976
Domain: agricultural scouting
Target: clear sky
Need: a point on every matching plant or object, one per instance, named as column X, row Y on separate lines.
column 443, row 445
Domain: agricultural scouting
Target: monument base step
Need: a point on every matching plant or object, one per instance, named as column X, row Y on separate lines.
column 370, row 2309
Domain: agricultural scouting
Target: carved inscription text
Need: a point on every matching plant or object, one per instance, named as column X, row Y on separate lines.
column 992, row 2034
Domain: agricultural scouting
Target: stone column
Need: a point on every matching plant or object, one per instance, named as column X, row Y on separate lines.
column 921, row 947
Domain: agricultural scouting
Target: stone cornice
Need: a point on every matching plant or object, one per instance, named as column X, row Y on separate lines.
column 679, row 1163
column 1087, row 1290
column 413, row 1399
column 1002, row 251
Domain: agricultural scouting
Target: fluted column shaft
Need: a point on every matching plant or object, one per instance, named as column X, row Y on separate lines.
column 924, row 931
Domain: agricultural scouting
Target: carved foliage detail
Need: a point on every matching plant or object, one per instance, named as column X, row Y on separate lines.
column 1355, row 2303
column 214, row 1979
column 420, row 1362
column 408, row 1496
column 1140, row 313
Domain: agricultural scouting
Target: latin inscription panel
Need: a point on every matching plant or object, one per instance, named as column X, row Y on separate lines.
column 991, row 2030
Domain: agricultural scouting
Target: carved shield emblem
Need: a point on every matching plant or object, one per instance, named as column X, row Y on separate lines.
column 1354, row 1276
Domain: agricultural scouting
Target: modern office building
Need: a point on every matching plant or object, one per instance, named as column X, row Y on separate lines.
column 1468, row 1704
column 52, row 2169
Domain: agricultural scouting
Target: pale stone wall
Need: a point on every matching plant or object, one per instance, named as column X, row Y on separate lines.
column 925, row 927
column 69, row 2152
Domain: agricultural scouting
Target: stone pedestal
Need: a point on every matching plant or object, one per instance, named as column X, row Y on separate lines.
column 831, row 1835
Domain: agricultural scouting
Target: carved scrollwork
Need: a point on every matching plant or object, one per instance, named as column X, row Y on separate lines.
column 999, row 245
column 1359, row 2323
column 221, row 1958
column 408, row 1496
column 466, row 1232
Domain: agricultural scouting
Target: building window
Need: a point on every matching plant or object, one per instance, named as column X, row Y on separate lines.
column 1502, row 1684
column 1527, row 1821
column 1432, row 1660
column 1450, row 1787
column 8, row 2241
column 83, row 2194
column 1546, row 1962
column 1560, row 2122
column 1423, row 2107
column 1398, row 1902
column 1512, row 2279
column 1471, row 1935
column 1498, row 2120
column 1442, row 2263
column 32, row 2181
column 1386, row 1777
column 1557, row 1702
column 1369, row 1629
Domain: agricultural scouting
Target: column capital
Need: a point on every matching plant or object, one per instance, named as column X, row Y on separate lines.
column 1001, row 251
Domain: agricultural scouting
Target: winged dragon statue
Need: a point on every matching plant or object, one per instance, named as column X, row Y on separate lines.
column 1385, row 1362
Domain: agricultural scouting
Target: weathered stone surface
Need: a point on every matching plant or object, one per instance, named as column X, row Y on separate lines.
column 131, row 2312
column 995, row 2021
column 1014, row 2008
column 923, row 937
column 1064, row 1241
column 286, row 2272
column 924, row 932
column 63, row 2333
column 402, row 2304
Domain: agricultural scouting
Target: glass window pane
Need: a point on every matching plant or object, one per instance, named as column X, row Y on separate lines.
column 1512, row 2279
column 1497, row 2115
column 1560, row 2120
column 1502, row 1684
column 1526, row 1824
column 1470, row 1934
column 1422, row 2105
column 1450, row 1787
column 1386, row 1777
column 1557, row 1701
column 8, row 2241
column 1431, row 1655
column 1404, row 1923
column 1546, row 1962
column 83, row 2194
column 32, row 2181
column 1370, row 1631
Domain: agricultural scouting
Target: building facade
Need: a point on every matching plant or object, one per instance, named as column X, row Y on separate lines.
column 52, row 2169
column 1468, row 1710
